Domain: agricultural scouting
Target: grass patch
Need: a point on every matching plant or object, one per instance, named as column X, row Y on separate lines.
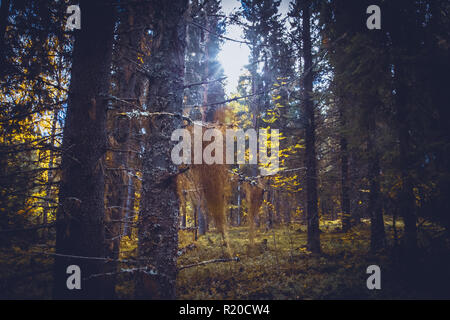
column 280, row 267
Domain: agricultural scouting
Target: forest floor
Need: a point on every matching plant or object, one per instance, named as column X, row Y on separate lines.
column 278, row 266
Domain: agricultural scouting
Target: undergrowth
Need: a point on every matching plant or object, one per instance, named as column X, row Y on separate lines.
column 277, row 266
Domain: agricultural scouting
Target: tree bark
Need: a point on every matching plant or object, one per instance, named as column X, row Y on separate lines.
column 158, row 219
column 129, row 213
column 4, row 13
column 238, row 215
column 345, row 189
column 80, row 216
column 201, row 220
column 310, row 135
column 407, row 200
column 183, row 216
column 50, row 175
column 120, row 179
column 196, row 223
column 377, row 234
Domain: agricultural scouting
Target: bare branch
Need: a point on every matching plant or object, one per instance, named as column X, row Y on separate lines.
column 186, row 86
column 208, row 262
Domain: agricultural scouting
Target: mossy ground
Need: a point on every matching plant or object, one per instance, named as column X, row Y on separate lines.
column 278, row 266
column 284, row 269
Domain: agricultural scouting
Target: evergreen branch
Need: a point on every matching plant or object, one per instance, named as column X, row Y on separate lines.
column 299, row 78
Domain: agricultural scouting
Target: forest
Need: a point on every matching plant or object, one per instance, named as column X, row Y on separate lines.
column 224, row 150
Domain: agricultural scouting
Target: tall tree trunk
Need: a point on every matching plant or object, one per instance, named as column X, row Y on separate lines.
column 4, row 13
column 269, row 197
column 80, row 217
column 407, row 199
column 377, row 234
column 238, row 215
column 206, row 115
column 310, row 135
column 129, row 208
column 129, row 85
column 404, row 44
column 285, row 206
column 231, row 216
column 345, row 189
column 196, row 223
column 183, row 216
column 354, row 202
column 50, row 174
column 254, row 99
column 201, row 220
column 158, row 219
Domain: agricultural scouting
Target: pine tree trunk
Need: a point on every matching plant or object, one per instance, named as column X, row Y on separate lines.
column 254, row 100
column 407, row 200
column 158, row 219
column 119, row 184
column 354, row 203
column 345, row 189
column 404, row 45
column 129, row 208
column 80, row 216
column 238, row 215
column 183, row 216
column 285, row 206
column 201, row 220
column 269, row 197
column 4, row 13
column 377, row 234
column 195, row 223
column 310, row 135
column 50, row 174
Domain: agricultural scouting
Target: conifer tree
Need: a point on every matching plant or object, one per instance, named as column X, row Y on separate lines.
column 80, row 217
column 159, row 208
